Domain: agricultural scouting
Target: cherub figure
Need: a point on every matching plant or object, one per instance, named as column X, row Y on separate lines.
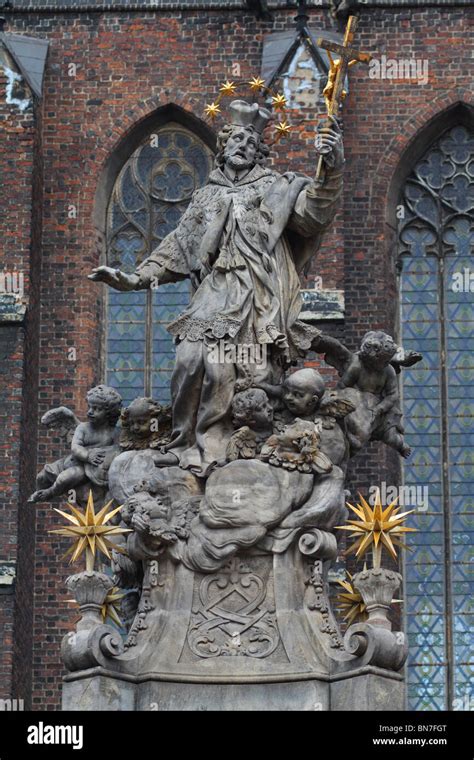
column 93, row 446
column 252, row 415
column 304, row 396
column 149, row 515
column 372, row 371
column 302, row 392
column 297, row 447
column 155, row 518
column 145, row 425
column 64, row 422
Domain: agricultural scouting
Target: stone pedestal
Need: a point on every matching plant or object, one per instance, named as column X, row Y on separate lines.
column 367, row 692
column 258, row 634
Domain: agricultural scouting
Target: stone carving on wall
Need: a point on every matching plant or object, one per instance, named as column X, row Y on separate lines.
column 93, row 445
column 232, row 616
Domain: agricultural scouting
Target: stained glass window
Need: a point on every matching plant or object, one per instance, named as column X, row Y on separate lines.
column 150, row 194
column 436, row 246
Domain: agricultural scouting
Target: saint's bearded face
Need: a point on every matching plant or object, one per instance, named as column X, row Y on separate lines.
column 241, row 149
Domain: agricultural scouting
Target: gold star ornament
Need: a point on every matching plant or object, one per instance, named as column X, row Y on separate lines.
column 89, row 531
column 351, row 601
column 211, row 110
column 376, row 527
column 110, row 607
column 228, row 88
column 279, row 102
column 256, row 84
column 283, row 128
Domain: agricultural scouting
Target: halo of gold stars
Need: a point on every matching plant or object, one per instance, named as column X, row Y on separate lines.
column 257, row 86
column 89, row 531
column 376, row 527
column 351, row 601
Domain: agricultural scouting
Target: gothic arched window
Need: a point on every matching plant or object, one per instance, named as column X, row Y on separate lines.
column 436, row 245
column 150, row 194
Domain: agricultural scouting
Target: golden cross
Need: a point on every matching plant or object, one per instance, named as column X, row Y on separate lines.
column 334, row 91
column 347, row 56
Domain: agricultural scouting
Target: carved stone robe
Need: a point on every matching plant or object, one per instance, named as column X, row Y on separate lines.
column 241, row 244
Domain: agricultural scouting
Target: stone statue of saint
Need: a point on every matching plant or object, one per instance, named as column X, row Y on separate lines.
column 242, row 241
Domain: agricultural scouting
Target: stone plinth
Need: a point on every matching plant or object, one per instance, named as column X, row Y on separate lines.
column 258, row 634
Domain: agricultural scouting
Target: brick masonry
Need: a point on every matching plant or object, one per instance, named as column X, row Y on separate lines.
column 127, row 66
column 21, row 181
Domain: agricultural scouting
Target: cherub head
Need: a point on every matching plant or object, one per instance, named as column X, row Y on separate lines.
column 151, row 510
column 138, row 417
column 377, row 348
column 302, row 391
column 150, row 498
column 300, row 436
column 297, row 448
column 140, row 422
column 252, row 408
column 104, row 405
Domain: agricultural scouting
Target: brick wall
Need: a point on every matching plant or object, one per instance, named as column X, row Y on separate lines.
column 128, row 65
column 20, row 235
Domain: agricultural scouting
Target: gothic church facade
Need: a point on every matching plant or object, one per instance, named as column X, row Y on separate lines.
column 103, row 141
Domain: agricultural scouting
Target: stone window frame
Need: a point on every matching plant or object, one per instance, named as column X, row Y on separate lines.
column 457, row 114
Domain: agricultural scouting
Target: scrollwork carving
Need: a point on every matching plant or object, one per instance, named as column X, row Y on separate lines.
column 233, row 617
column 318, row 601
